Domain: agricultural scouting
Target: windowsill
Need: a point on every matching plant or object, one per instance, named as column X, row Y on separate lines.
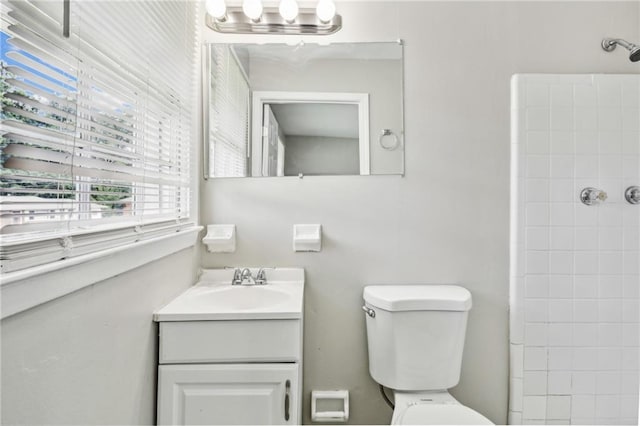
column 22, row 290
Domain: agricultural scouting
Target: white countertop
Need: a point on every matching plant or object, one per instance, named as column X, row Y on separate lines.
column 214, row 298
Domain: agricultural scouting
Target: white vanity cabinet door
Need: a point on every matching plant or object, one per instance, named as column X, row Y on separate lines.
column 229, row 394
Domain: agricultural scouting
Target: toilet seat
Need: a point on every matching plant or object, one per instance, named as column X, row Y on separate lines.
column 441, row 414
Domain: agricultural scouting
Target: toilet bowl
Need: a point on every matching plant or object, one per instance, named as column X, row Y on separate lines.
column 433, row 408
column 415, row 338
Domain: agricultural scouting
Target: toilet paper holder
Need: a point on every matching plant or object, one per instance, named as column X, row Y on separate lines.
column 330, row 406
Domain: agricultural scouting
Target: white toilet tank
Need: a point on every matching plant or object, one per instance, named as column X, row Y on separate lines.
column 416, row 335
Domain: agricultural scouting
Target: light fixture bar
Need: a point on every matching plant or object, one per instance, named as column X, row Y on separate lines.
column 271, row 22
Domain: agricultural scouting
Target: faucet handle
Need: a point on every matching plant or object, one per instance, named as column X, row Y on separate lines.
column 261, row 277
column 237, row 277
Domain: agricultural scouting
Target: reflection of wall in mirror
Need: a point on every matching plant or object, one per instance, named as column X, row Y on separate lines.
column 380, row 78
column 313, row 155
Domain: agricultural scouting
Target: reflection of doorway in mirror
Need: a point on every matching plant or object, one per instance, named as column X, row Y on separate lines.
column 270, row 142
column 310, row 133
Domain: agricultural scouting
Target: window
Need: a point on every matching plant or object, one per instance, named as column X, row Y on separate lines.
column 96, row 128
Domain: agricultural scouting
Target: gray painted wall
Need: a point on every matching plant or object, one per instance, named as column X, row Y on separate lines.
column 313, row 155
column 91, row 357
column 447, row 220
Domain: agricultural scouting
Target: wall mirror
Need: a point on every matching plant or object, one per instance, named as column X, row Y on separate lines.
column 303, row 110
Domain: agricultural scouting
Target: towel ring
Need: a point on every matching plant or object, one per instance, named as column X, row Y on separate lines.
column 392, row 146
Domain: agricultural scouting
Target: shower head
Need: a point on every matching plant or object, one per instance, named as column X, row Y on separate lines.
column 609, row 44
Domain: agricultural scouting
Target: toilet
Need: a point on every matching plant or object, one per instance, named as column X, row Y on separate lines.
column 415, row 336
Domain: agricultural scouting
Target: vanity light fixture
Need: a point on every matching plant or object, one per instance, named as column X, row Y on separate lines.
column 289, row 10
column 326, row 10
column 253, row 9
column 217, row 9
column 288, row 18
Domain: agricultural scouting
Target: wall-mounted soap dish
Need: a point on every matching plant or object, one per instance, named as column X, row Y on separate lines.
column 220, row 238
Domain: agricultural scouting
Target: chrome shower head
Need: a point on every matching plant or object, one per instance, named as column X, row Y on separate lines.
column 609, row 44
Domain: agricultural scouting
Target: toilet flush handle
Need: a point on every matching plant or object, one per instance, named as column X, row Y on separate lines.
column 369, row 311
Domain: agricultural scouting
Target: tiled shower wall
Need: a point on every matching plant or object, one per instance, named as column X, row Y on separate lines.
column 574, row 268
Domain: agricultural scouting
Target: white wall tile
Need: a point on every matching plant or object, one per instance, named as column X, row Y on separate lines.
column 583, row 383
column 559, row 334
column 586, row 142
column 559, row 383
column 536, row 286
column 585, row 359
column 536, row 310
column 560, row 358
column 610, row 310
column 537, row 214
column 560, row 286
column 539, row 118
column 586, row 238
column 607, row 406
column 535, row 334
column 562, row 118
column 562, row 142
column 585, row 118
column 561, row 96
column 610, row 286
column 537, row 190
column 610, row 142
column 583, row 406
column 585, row 286
column 534, row 407
column 560, row 310
column 538, row 166
column 629, row 407
column 535, row 359
column 609, row 359
column 561, row 262
column 535, row 383
column 608, row 383
column 630, row 359
column 562, row 166
column 558, row 407
column 561, row 214
column 561, row 191
column 629, row 384
column 586, row 263
column 538, row 142
column 585, row 335
column 537, row 238
column 585, row 311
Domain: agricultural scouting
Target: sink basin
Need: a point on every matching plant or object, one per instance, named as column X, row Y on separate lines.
column 240, row 298
column 214, row 298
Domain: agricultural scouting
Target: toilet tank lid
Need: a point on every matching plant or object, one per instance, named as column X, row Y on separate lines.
column 422, row 297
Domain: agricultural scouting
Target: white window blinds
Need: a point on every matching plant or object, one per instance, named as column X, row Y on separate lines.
column 96, row 129
column 228, row 114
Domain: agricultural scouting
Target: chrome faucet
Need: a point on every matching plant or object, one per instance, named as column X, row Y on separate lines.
column 261, row 277
column 244, row 277
column 237, row 277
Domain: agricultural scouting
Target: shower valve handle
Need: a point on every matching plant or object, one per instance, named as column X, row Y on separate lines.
column 592, row 196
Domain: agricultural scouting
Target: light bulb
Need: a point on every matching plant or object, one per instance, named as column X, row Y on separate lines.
column 253, row 9
column 289, row 10
column 217, row 9
column 326, row 10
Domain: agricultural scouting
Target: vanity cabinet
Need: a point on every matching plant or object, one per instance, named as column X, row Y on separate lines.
column 230, row 372
column 232, row 355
